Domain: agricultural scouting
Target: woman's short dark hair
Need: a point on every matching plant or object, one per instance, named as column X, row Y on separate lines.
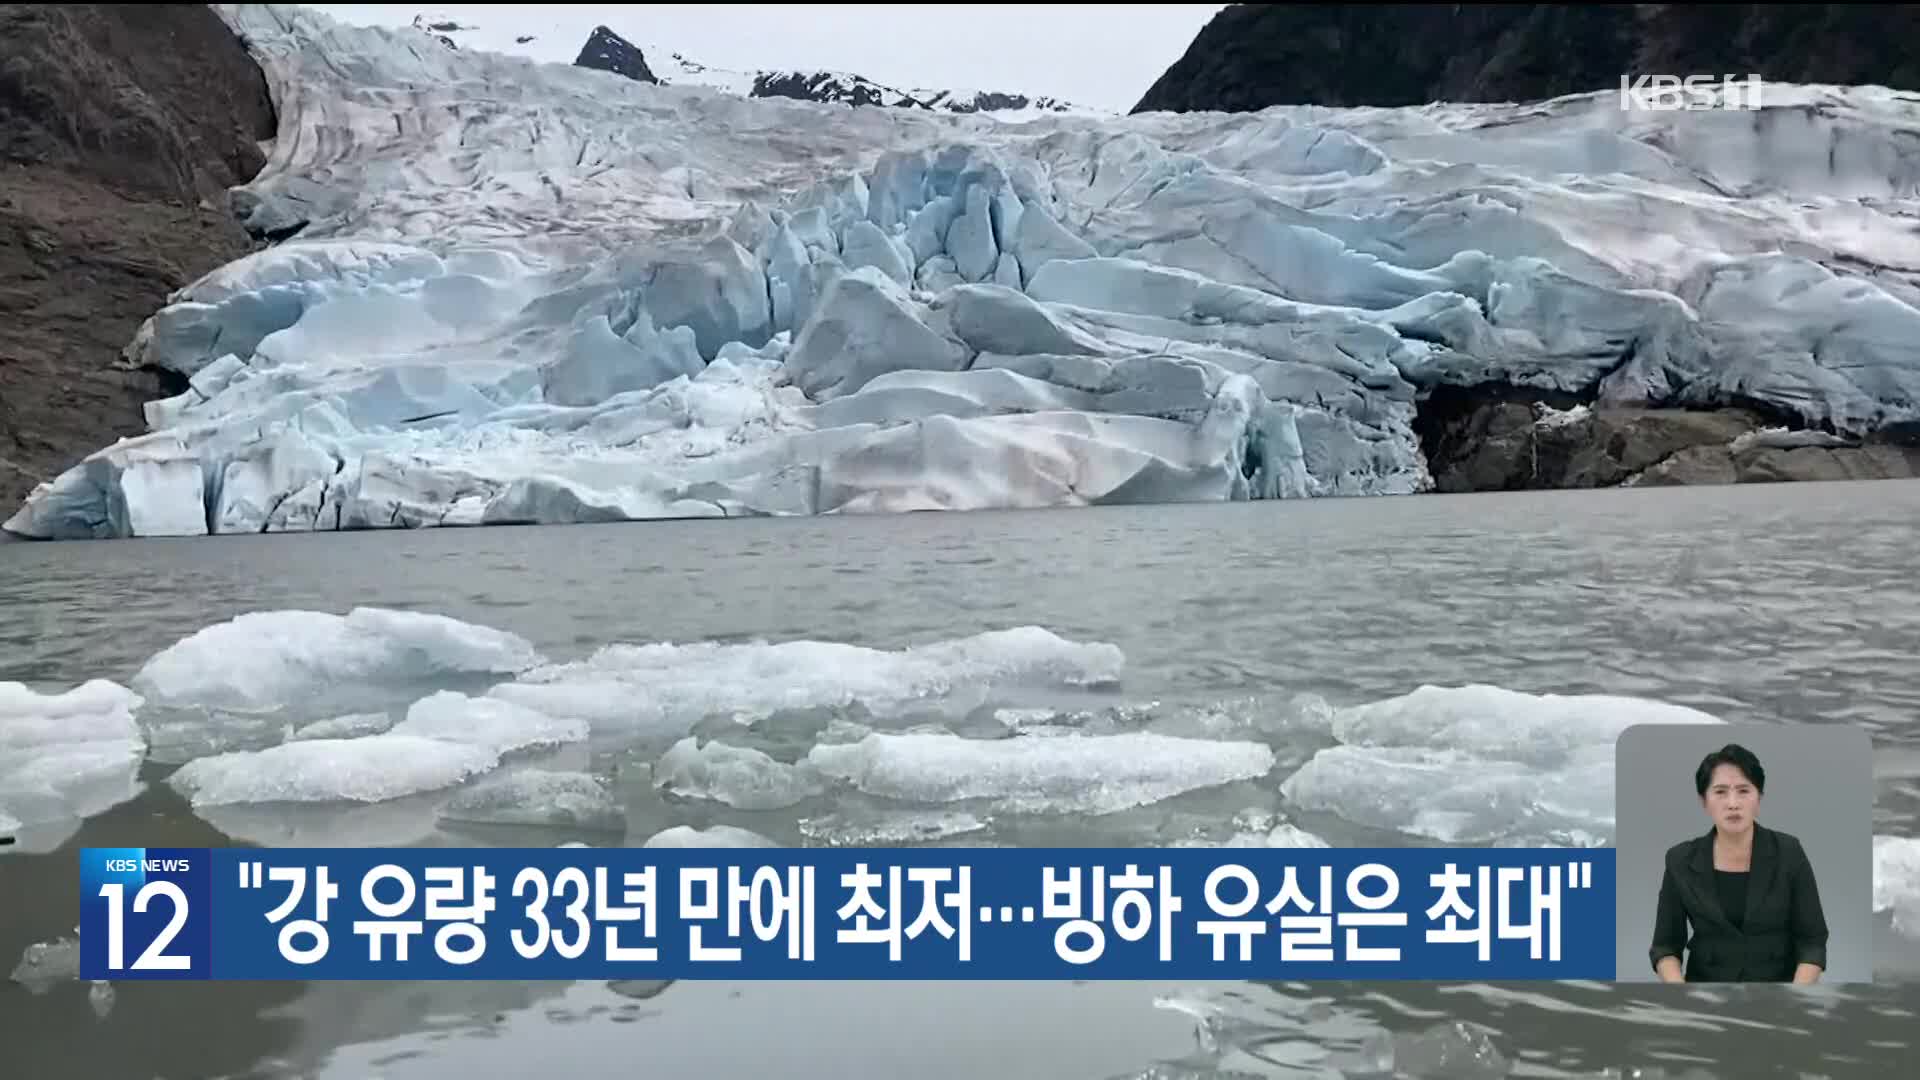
column 1737, row 756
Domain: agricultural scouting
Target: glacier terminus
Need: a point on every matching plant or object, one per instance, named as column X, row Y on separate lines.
column 513, row 292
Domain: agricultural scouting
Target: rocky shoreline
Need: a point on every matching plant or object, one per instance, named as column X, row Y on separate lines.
column 1495, row 439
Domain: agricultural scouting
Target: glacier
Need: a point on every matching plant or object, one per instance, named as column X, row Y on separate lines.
column 515, row 292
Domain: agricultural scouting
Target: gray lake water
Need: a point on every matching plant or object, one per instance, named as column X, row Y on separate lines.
column 1785, row 604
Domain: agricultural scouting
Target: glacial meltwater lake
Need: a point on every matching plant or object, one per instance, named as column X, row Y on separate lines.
column 1248, row 623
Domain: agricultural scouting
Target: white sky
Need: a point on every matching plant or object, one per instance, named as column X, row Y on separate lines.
column 1103, row 57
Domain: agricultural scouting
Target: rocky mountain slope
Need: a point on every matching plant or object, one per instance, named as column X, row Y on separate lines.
column 121, row 128
column 1251, row 56
column 605, row 50
column 608, row 51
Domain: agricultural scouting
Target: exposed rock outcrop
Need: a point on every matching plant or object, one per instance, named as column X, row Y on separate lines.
column 605, row 50
column 608, row 51
column 1514, row 444
column 120, row 129
column 1251, row 56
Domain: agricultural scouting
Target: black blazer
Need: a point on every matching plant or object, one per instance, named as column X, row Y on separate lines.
column 1783, row 925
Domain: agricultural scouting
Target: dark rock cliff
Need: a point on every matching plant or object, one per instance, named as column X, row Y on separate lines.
column 607, row 51
column 120, row 129
column 1252, row 56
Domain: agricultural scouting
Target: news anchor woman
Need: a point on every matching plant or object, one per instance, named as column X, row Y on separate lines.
column 1746, row 892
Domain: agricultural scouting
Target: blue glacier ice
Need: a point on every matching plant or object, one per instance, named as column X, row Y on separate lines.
column 527, row 292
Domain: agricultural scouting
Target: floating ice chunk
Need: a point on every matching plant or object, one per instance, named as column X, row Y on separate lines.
column 1450, row 1051
column 66, row 757
column 1280, row 836
column 742, row 778
column 350, row 726
column 1292, row 836
column 1543, row 729
column 716, row 836
column 1896, row 881
column 1059, row 774
column 265, row 659
column 1255, row 828
column 537, row 797
column 403, row 822
column 499, row 727
column 375, row 768
column 92, row 708
column 1478, row 764
column 46, row 965
column 853, row 828
column 664, row 689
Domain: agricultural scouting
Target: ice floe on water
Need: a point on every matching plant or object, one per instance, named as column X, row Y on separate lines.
column 1010, row 736
column 661, row 690
column 715, row 836
column 45, row 965
column 265, row 661
column 349, row 726
column 65, row 757
column 540, row 798
column 853, row 827
column 374, row 768
column 1068, row 773
column 500, row 727
column 446, row 738
column 1478, row 764
column 1256, row 828
column 1896, row 881
column 740, row 777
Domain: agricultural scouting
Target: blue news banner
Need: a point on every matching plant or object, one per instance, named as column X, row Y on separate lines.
column 873, row 913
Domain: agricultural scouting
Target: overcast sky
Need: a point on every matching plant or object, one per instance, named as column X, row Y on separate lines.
column 1103, row 57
